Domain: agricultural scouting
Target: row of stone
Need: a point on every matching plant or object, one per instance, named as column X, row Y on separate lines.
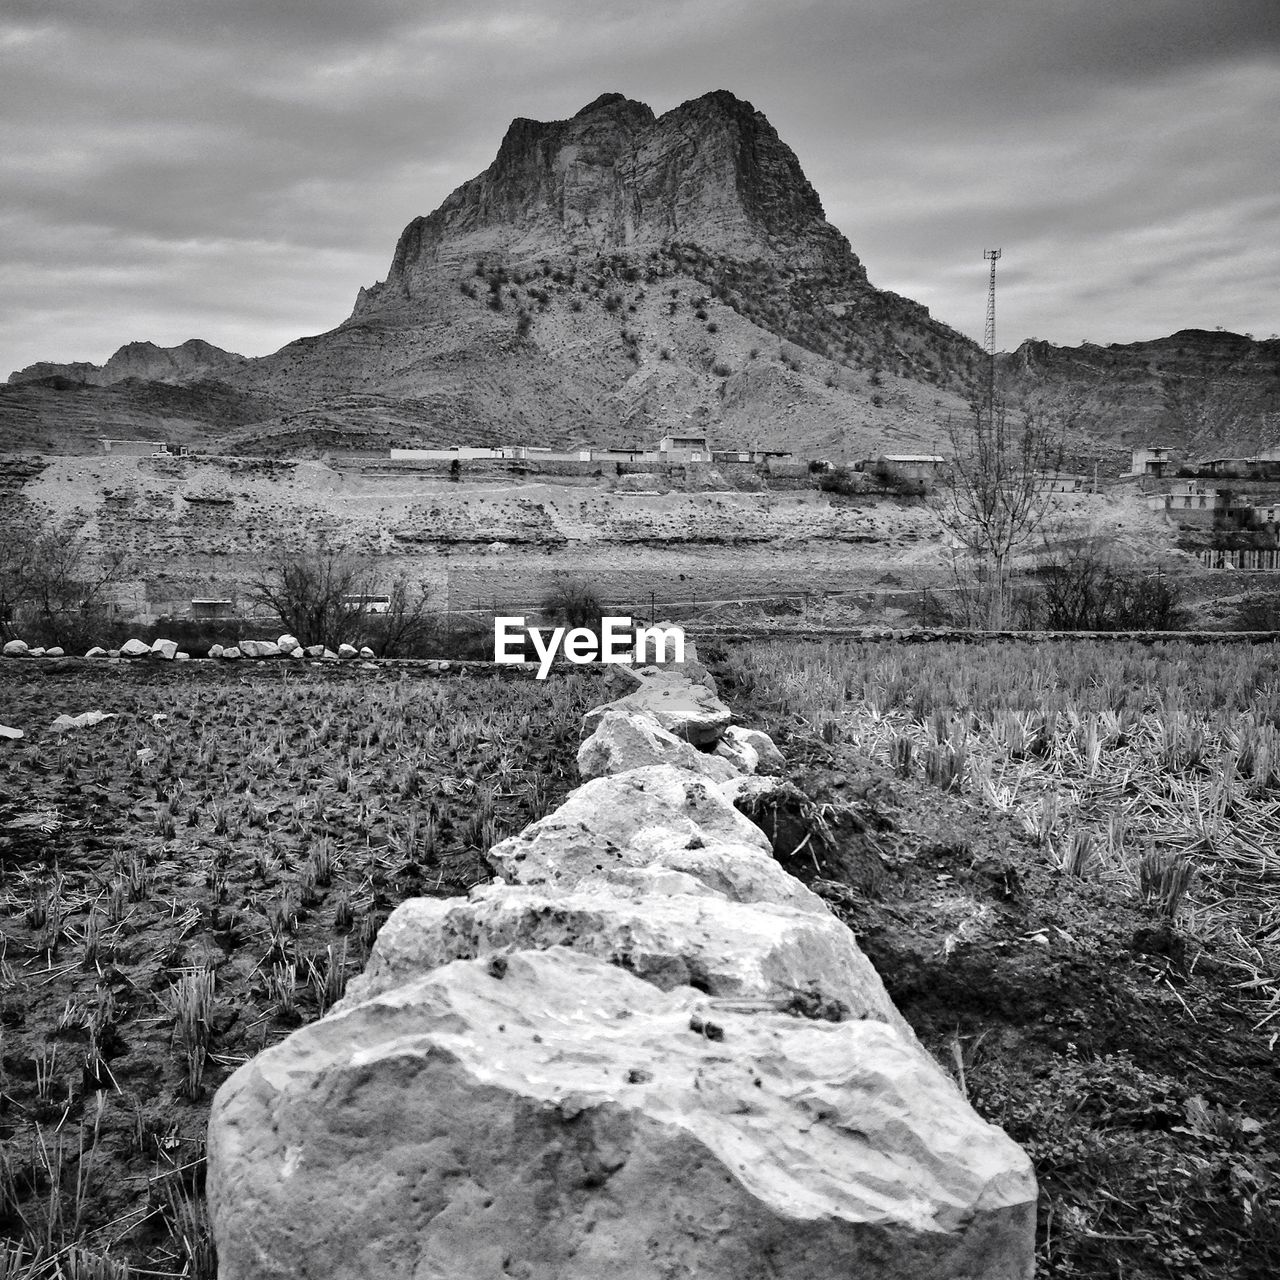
column 286, row 647
column 644, row 1051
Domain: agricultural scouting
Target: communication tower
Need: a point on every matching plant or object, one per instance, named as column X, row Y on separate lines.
column 989, row 337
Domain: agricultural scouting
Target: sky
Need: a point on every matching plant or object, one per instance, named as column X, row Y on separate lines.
column 234, row 170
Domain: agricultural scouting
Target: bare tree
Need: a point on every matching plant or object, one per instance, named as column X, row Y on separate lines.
column 996, row 500
column 319, row 596
column 327, row 597
column 407, row 624
column 54, row 577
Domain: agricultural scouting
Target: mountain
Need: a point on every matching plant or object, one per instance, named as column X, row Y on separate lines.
column 619, row 275
column 1198, row 392
column 193, row 361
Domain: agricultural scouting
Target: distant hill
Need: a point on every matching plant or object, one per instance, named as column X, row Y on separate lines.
column 618, row 275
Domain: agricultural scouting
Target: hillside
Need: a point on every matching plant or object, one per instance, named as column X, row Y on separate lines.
column 1200, row 393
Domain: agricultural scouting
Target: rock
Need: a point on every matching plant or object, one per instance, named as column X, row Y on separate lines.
column 770, row 759
column 16, row 649
column 166, row 649
column 259, row 649
column 11, row 735
column 625, row 740
column 134, row 649
column 180, row 656
column 232, row 653
column 688, row 711
column 744, row 951
column 216, row 651
column 348, row 651
column 555, row 1118
column 85, row 720
column 36, row 653
column 367, row 653
column 288, row 643
column 657, row 816
column 741, row 758
column 113, row 655
column 317, row 651
column 750, row 750
column 96, row 652
column 298, row 655
column 328, row 655
column 622, row 679
column 56, row 652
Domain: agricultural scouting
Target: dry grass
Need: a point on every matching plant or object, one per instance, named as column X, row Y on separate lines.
column 1157, row 769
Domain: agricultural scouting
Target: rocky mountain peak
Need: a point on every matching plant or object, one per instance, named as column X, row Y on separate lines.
column 615, row 178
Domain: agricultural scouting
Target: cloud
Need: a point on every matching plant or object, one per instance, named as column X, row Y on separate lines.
column 241, row 168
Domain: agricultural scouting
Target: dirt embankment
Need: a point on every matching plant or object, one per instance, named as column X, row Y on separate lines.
column 197, row 527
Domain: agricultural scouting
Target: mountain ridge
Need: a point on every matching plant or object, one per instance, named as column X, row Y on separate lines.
column 619, row 274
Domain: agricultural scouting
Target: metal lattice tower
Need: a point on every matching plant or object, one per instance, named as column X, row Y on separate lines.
column 989, row 336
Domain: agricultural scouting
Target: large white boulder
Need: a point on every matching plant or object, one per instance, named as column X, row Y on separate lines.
column 134, row 649
column 744, row 951
column 259, row 649
column 348, row 651
column 657, row 817
column 624, row 739
column 689, row 711
column 288, row 643
column 166, row 649
column 96, row 652
column 16, row 649
column 549, row 1116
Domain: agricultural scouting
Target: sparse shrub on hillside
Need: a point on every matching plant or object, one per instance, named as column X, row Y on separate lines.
column 1258, row 612
column 720, row 369
column 571, row 602
column 612, row 302
column 319, row 596
column 839, row 480
column 1080, row 589
column 524, row 322
column 53, row 579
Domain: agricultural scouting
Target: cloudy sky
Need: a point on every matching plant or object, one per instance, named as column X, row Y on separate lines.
column 235, row 169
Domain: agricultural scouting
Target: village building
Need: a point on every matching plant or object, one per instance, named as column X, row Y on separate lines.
column 210, row 607
column 1150, row 461
column 683, row 449
column 1195, row 503
column 142, row 448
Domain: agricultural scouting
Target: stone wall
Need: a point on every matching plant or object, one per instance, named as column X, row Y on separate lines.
column 644, row 1051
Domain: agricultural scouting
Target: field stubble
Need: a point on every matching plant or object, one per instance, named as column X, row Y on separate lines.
column 1077, row 909
column 184, row 882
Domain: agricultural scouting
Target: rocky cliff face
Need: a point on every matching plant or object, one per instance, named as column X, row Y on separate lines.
column 1198, row 392
column 615, row 178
